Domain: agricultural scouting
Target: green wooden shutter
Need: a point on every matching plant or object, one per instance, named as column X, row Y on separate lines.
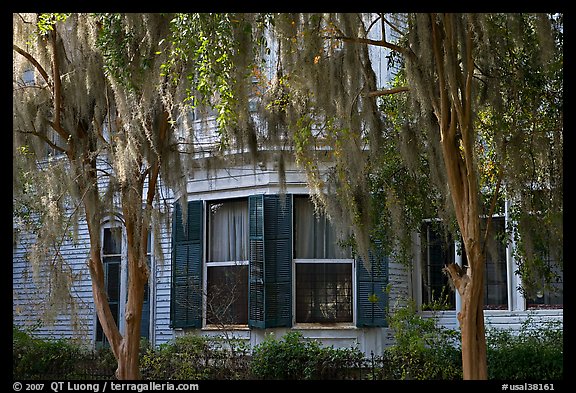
column 256, row 257
column 186, row 293
column 372, row 298
column 270, row 282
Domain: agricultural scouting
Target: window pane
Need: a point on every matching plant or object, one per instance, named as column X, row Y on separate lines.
column 112, row 241
column 227, row 297
column 495, row 281
column 323, row 292
column 437, row 252
column 552, row 294
column 315, row 237
column 228, row 231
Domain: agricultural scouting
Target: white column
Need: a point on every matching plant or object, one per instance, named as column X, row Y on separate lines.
column 458, row 261
column 516, row 301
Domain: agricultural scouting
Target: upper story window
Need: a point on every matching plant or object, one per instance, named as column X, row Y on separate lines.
column 323, row 268
column 29, row 77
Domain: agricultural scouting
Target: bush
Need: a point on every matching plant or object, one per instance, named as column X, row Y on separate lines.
column 422, row 350
column 193, row 357
column 34, row 358
column 533, row 353
column 293, row 358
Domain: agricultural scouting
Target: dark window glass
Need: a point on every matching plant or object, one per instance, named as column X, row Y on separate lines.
column 495, row 277
column 227, row 300
column 112, row 241
column 437, row 252
column 551, row 295
column 323, row 292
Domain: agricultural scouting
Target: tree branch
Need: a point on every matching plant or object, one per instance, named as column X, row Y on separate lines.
column 394, row 90
column 385, row 44
column 34, row 62
column 45, row 139
column 57, row 85
column 458, row 276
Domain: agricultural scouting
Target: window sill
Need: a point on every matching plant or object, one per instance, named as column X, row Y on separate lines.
column 225, row 327
column 324, row 326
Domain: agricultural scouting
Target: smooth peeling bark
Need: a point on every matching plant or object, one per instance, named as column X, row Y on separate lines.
column 454, row 113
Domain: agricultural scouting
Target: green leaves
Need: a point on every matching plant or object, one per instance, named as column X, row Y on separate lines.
column 46, row 21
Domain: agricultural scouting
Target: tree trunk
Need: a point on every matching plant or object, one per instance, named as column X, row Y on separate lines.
column 454, row 113
column 471, row 319
column 128, row 357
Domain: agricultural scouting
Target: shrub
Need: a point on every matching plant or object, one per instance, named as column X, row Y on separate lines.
column 34, row 358
column 194, row 357
column 293, row 357
column 533, row 353
column 422, row 349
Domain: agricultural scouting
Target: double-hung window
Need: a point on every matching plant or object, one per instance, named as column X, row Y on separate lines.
column 323, row 268
column 227, row 263
column 437, row 252
column 496, row 272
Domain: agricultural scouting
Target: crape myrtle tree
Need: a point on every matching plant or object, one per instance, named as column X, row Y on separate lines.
column 101, row 129
column 474, row 115
column 94, row 136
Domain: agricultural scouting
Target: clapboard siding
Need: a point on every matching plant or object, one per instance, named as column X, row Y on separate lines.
column 29, row 301
column 213, row 185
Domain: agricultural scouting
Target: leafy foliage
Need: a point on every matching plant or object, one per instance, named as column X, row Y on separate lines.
column 294, row 357
column 423, row 351
column 422, row 348
column 194, row 357
column 33, row 358
column 532, row 353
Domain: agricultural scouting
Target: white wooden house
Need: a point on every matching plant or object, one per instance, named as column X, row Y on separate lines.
column 252, row 260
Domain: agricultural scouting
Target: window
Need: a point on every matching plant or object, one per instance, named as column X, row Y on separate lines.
column 323, row 268
column 145, row 322
column 437, row 252
column 227, row 263
column 550, row 295
column 113, row 256
column 29, row 77
column 495, row 276
column 496, row 271
column 233, row 264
